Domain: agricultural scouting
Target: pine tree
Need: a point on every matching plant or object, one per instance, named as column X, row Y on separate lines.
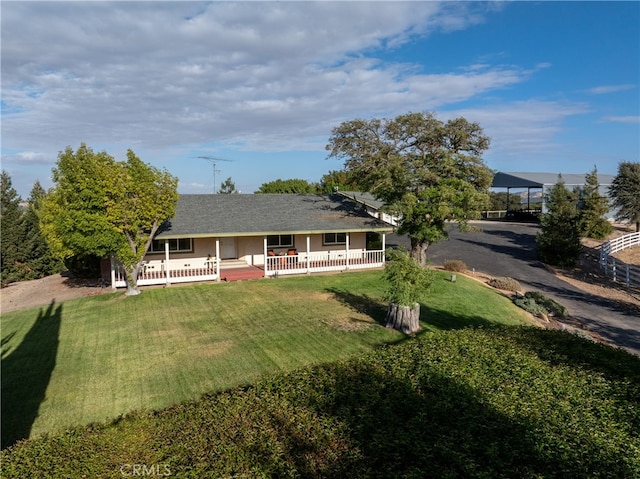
column 558, row 243
column 38, row 257
column 625, row 191
column 11, row 264
column 227, row 187
column 593, row 208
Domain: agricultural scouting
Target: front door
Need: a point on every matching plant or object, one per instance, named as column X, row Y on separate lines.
column 227, row 248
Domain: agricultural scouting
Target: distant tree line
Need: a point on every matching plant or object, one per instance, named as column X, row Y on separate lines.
column 334, row 180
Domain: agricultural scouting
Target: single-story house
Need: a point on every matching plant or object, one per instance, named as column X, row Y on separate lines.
column 262, row 235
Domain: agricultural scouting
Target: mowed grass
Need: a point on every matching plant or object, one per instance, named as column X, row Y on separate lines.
column 94, row 359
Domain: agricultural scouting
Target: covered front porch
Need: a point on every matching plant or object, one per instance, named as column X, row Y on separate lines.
column 272, row 261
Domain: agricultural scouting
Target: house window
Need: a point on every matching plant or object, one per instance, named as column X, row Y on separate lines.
column 176, row 245
column 334, row 238
column 279, row 241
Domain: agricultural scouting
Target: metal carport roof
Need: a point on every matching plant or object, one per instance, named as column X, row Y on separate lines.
column 540, row 180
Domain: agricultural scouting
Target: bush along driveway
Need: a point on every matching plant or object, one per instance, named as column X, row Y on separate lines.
column 508, row 249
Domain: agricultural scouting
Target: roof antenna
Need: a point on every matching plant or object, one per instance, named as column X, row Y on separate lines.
column 213, row 160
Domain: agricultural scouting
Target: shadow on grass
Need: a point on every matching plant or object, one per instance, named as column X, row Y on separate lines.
column 361, row 303
column 399, row 414
column 432, row 318
column 562, row 348
column 443, row 320
column 436, row 428
column 26, row 372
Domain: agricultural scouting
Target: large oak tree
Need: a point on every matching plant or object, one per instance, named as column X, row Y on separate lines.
column 427, row 171
column 103, row 207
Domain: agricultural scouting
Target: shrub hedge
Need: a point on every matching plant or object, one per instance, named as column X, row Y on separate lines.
column 505, row 283
column 538, row 303
column 503, row 402
column 455, row 265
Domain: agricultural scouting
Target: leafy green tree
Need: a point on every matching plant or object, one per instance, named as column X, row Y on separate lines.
column 593, row 208
column 558, row 242
column 426, row 171
column 227, row 187
column 406, row 282
column 38, row 257
column 287, row 186
column 11, row 215
column 102, row 207
column 341, row 180
column 625, row 192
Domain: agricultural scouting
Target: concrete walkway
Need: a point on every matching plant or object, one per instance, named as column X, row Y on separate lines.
column 508, row 249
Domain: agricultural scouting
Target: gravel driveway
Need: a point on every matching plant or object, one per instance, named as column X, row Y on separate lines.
column 508, row 249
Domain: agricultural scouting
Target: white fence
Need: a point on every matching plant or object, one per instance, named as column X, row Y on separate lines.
column 495, row 214
column 616, row 269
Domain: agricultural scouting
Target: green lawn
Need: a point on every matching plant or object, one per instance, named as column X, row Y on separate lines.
column 96, row 358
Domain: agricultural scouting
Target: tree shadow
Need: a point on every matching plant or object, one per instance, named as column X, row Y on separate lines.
column 431, row 319
column 562, row 348
column 427, row 424
column 5, row 341
column 441, row 319
column 26, row 373
column 515, row 251
column 361, row 303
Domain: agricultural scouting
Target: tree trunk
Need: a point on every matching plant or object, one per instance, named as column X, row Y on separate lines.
column 404, row 318
column 132, row 280
column 419, row 251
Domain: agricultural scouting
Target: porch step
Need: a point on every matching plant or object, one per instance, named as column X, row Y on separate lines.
column 233, row 263
column 240, row 274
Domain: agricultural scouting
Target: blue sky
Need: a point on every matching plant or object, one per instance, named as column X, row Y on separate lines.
column 261, row 84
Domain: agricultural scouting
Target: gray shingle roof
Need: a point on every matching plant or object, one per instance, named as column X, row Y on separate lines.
column 364, row 198
column 260, row 214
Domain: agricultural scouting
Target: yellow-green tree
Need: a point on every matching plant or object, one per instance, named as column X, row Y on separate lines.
column 104, row 207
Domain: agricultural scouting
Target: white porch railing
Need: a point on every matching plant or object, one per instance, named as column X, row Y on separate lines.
column 616, row 269
column 199, row 269
column 323, row 261
column 174, row 271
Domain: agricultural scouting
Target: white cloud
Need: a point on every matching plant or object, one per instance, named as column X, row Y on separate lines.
column 523, row 128
column 605, row 89
column 28, row 158
column 621, row 119
column 262, row 75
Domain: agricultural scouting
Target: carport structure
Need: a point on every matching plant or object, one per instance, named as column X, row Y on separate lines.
column 544, row 181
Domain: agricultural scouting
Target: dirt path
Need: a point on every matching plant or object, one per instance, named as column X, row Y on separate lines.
column 41, row 292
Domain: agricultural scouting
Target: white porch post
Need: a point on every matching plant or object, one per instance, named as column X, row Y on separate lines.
column 308, row 254
column 264, row 251
column 347, row 251
column 384, row 238
column 166, row 261
column 218, row 259
column 113, row 273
